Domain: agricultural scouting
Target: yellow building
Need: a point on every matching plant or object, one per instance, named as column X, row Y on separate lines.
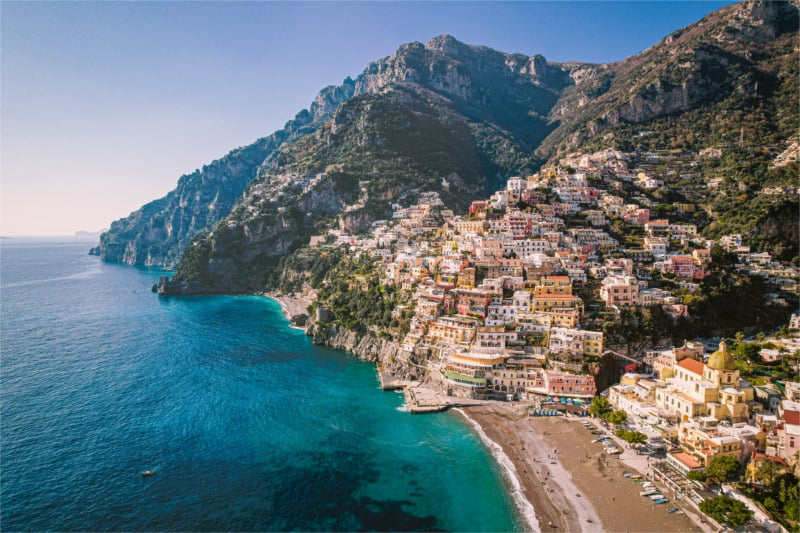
column 714, row 389
column 471, row 370
column 454, row 331
column 548, row 303
column 553, row 285
column 732, row 395
column 466, row 278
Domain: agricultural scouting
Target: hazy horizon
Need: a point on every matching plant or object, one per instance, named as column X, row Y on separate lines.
column 106, row 105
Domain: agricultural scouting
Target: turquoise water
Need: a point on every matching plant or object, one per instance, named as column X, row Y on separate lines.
column 249, row 426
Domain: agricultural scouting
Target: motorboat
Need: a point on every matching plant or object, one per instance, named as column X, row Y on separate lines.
column 148, row 473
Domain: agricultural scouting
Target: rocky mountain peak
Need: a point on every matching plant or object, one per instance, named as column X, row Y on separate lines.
column 771, row 17
column 448, row 45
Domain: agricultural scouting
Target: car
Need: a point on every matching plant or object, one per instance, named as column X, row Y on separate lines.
column 597, row 432
column 613, row 451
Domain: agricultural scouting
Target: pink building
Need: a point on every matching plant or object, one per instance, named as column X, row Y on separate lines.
column 790, row 411
column 682, row 266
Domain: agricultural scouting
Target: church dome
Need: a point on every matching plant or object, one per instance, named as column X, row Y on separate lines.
column 721, row 359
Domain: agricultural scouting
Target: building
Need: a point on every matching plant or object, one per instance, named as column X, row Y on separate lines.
column 576, row 341
column 469, row 371
column 620, row 291
column 682, row 266
column 553, row 385
column 712, row 389
column 790, row 413
column 453, row 330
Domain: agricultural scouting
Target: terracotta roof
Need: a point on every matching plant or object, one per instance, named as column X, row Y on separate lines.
column 791, row 417
column 686, row 460
column 691, row 365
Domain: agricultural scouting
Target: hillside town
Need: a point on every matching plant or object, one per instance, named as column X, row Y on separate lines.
column 498, row 310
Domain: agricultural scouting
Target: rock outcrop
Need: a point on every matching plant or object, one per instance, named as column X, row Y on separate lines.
column 158, row 232
column 365, row 346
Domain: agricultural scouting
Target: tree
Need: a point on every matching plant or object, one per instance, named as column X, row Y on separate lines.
column 616, row 417
column 696, row 475
column 768, row 471
column 599, row 406
column 637, row 437
column 748, row 352
column 726, row 511
column 631, row 437
column 722, row 468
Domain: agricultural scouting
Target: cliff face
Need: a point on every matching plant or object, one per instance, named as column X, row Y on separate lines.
column 158, row 232
column 737, row 58
column 365, row 346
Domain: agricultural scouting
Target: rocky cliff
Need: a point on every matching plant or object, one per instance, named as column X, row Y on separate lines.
column 158, row 232
column 733, row 62
column 365, row 346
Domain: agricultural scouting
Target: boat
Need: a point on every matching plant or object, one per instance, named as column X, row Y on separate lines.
column 673, row 510
column 661, row 500
column 148, row 473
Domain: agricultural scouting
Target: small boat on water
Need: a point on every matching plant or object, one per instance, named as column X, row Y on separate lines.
column 148, row 473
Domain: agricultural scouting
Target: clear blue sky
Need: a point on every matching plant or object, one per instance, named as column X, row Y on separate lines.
column 105, row 105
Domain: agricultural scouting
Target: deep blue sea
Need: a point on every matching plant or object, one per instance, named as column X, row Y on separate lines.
column 248, row 425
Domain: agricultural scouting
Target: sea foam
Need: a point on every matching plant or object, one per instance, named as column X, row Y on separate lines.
column 522, row 504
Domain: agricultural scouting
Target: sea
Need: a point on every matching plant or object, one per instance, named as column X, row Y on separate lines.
column 247, row 425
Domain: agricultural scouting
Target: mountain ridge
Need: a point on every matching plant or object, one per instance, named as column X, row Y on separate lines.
column 458, row 119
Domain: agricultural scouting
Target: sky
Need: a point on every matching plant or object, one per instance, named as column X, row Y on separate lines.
column 104, row 105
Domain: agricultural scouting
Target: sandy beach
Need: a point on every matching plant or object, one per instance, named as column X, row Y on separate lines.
column 572, row 484
column 291, row 305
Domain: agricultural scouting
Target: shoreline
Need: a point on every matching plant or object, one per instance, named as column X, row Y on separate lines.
column 555, row 477
column 545, row 488
column 570, row 483
column 291, row 306
column 522, row 503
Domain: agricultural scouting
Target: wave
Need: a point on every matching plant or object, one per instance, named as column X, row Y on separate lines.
column 522, row 504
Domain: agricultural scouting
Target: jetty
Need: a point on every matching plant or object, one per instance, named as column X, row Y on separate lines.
column 420, row 397
column 423, row 399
